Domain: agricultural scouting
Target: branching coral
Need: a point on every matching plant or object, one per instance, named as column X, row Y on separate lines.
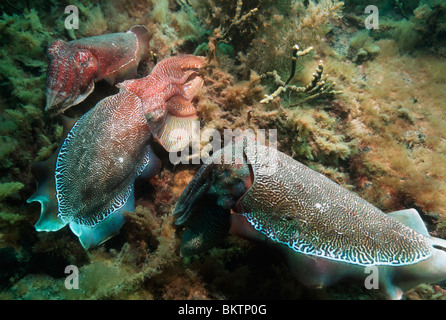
column 226, row 35
column 225, row 17
column 237, row 21
column 317, row 87
column 292, row 22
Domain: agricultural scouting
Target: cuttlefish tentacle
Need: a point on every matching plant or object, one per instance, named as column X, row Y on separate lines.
column 76, row 65
column 180, row 106
column 327, row 233
column 181, row 122
column 170, row 77
column 166, row 94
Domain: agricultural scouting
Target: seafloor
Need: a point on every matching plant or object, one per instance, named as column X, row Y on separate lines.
column 378, row 127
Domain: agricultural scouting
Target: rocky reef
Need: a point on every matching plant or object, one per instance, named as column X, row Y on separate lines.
column 370, row 116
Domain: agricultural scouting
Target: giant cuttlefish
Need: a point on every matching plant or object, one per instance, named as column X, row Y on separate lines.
column 76, row 65
column 90, row 181
column 327, row 233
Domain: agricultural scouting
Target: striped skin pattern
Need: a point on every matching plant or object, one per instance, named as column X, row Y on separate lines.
column 176, row 132
column 76, row 65
column 168, row 88
column 326, row 233
column 111, row 146
column 100, row 159
column 311, row 214
column 166, row 95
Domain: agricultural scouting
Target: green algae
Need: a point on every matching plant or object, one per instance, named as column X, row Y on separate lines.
column 22, row 60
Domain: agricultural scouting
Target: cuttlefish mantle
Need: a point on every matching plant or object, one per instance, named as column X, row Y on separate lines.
column 76, row 65
column 326, row 233
column 46, row 191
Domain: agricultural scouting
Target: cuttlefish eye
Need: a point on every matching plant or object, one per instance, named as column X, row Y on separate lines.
column 86, row 64
column 84, row 58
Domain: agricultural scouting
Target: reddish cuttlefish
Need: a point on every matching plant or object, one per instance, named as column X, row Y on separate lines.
column 326, row 233
column 89, row 182
column 76, row 65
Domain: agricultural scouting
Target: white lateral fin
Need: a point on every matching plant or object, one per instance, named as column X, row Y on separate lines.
column 412, row 219
column 177, row 132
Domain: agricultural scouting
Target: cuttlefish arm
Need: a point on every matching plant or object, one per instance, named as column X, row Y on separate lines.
column 326, row 233
column 76, row 65
column 166, row 94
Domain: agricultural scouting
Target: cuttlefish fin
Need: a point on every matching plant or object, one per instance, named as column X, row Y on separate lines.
column 410, row 218
column 46, row 196
column 46, row 192
column 152, row 167
column 144, row 36
column 177, row 132
column 90, row 237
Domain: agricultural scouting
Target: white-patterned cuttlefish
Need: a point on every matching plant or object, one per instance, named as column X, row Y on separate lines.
column 327, row 233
